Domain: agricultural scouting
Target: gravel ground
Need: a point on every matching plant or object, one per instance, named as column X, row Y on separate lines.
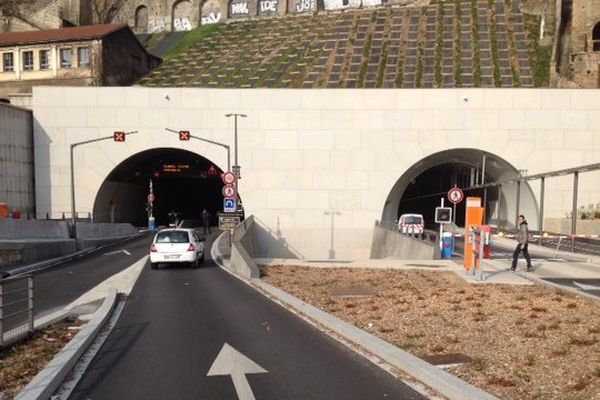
column 522, row 342
column 20, row 363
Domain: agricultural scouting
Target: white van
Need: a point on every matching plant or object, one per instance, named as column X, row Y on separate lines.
column 411, row 223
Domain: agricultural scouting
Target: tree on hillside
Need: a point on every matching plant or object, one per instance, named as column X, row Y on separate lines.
column 104, row 11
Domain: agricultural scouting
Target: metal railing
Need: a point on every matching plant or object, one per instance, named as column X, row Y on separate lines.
column 426, row 236
column 16, row 308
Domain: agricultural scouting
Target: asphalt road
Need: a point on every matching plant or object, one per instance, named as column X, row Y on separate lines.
column 58, row 286
column 176, row 322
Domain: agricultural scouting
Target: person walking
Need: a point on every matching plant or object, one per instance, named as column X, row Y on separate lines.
column 206, row 221
column 523, row 241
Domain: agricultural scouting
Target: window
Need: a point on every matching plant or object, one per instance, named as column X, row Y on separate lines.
column 28, row 61
column 83, row 55
column 66, row 58
column 8, row 62
column 596, row 37
column 44, row 59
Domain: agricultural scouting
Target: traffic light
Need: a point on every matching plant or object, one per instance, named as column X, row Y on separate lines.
column 443, row 215
column 184, row 135
column 119, row 136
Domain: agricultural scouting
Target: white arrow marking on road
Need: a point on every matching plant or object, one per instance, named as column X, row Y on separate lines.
column 583, row 286
column 232, row 362
column 118, row 251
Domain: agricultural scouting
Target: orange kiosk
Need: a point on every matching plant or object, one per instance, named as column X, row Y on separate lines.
column 473, row 216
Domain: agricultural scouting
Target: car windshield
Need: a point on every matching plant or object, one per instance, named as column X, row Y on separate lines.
column 172, row 237
column 412, row 220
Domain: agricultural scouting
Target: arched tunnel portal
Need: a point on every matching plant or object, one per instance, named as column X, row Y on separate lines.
column 421, row 187
column 182, row 181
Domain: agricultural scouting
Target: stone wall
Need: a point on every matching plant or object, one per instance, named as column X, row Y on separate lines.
column 585, row 69
column 586, row 14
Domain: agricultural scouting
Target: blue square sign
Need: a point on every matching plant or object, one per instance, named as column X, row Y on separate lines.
column 229, row 204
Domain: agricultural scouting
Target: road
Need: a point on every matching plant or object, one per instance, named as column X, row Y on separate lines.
column 58, row 286
column 178, row 321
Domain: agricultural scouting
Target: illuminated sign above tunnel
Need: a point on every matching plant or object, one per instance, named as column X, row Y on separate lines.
column 176, row 168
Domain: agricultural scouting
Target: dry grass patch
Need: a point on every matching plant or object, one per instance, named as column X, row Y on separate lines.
column 20, row 363
column 525, row 343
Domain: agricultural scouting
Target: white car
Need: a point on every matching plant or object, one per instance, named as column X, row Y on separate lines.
column 411, row 224
column 177, row 245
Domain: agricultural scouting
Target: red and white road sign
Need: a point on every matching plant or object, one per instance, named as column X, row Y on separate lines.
column 150, row 198
column 228, row 191
column 228, row 178
column 455, row 195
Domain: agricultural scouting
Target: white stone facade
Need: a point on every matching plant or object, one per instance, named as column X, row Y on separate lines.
column 304, row 152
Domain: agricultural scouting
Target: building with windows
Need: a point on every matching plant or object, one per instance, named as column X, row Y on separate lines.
column 95, row 55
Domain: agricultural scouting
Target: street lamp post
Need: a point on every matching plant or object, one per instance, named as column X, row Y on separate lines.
column 117, row 136
column 236, row 167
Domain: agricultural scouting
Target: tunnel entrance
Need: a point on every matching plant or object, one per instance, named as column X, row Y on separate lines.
column 182, row 181
column 421, row 187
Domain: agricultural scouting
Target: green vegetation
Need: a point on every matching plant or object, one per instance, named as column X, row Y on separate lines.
column 302, row 51
column 539, row 56
column 476, row 55
column 494, row 45
column 191, row 38
column 439, row 44
column 457, row 49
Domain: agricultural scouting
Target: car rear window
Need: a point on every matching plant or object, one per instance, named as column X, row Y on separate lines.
column 412, row 220
column 172, row 237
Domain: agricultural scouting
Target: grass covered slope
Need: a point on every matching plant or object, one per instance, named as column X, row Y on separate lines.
column 451, row 44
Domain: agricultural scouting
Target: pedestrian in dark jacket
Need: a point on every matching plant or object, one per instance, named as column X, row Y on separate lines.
column 206, row 221
column 523, row 241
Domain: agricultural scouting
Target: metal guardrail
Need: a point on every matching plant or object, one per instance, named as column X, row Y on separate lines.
column 16, row 308
column 429, row 236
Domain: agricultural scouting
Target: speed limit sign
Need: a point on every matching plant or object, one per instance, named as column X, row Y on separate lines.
column 455, row 195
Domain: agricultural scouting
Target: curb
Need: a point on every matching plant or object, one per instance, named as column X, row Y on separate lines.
column 441, row 381
column 48, row 379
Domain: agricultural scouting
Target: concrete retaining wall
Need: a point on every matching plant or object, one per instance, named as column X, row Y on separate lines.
column 20, row 251
column 91, row 230
column 15, row 229
column 243, row 250
column 28, row 241
column 388, row 243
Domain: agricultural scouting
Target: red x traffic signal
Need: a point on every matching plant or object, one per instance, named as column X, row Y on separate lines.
column 184, row 135
column 119, row 136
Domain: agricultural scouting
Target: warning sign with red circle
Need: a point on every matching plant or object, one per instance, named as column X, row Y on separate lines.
column 228, row 178
column 228, row 191
column 455, row 195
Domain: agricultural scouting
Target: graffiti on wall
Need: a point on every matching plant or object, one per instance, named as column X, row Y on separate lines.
column 239, row 9
column 156, row 25
column 211, row 12
column 304, row 6
column 182, row 24
column 267, row 7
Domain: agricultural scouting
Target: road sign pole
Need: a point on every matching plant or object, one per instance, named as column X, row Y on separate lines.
column 441, row 225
